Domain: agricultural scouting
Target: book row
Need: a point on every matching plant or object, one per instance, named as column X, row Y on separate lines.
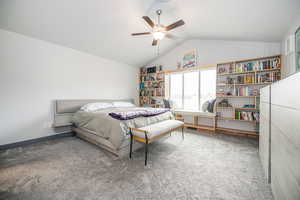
column 258, row 65
column 267, row 77
column 246, row 115
column 157, row 92
column 157, row 84
column 238, row 91
column 245, row 79
column 155, row 77
column 151, row 102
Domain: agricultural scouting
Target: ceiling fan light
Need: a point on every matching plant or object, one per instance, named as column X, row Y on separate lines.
column 158, row 35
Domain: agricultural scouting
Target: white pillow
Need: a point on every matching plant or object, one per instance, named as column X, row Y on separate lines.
column 123, row 104
column 96, row 106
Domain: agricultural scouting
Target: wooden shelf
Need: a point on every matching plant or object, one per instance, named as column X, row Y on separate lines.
column 238, row 132
column 153, row 93
column 191, row 68
column 151, row 81
column 223, row 88
column 232, row 119
column 248, row 72
column 244, row 84
column 190, row 125
column 255, row 59
column 246, row 108
column 224, row 96
column 251, row 59
column 227, row 108
column 236, row 108
column 152, row 74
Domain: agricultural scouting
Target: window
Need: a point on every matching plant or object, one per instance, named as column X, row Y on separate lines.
column 207, row 85
column 190, row 90
column 176, row 91
column 297, row 49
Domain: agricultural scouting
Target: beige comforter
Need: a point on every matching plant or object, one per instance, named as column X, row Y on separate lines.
column 103, row 125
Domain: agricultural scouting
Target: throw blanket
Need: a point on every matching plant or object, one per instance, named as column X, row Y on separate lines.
column 143, row 112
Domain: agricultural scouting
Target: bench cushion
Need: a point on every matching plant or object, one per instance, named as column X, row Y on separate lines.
column 195, row 113
column 158, row 128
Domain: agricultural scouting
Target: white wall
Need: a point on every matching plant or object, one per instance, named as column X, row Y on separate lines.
column 33, row 73
column 214, row 51
column 288, row 61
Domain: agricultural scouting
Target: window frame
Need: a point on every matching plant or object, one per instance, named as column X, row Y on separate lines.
column 199, row 84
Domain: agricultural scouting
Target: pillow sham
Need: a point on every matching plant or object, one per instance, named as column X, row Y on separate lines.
column 96, row 106
column 123, row 104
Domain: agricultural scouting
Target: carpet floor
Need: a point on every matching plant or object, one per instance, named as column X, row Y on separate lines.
column 201, row 167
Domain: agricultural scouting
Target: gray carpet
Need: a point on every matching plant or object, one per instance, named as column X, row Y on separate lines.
column 201, row 167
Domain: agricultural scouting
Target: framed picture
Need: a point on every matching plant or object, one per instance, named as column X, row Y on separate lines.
column 297, row 49
column 189, row 59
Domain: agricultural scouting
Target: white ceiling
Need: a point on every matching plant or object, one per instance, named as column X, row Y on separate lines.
column 103, row 27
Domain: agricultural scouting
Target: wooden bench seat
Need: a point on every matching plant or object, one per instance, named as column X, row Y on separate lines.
column 153, row 132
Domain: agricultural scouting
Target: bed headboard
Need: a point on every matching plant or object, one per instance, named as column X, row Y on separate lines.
column 64, row 109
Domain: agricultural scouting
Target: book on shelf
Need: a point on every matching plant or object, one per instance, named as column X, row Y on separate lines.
column 243, row 79
column 268, row 77
column 250, row 66
column 160, row 77
column 246, row 91
column 258, row 65
column 247, row 115
column 148, row 78
column 238, row 91
column 142, row 85
column 160, row 92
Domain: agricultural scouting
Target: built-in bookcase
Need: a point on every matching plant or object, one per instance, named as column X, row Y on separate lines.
column 152, row 89
column 238, row 92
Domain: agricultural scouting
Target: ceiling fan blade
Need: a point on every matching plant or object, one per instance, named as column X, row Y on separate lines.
column 154, row 43
column 175, row 25
column 144, row 33
column 149, row 21
column 171, row 36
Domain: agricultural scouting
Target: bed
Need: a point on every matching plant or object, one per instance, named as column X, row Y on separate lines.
column 107, row 132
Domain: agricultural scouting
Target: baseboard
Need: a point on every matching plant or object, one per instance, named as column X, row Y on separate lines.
column 28, row 142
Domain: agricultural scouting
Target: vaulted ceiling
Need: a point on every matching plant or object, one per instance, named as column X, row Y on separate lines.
column 103, row 27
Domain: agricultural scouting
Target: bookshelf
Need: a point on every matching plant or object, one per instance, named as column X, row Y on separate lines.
column 238, row 86
column 152, row 88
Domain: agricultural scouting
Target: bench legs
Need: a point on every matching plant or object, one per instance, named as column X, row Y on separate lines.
column 146, row 149
column 131, row 140
column 146, row 143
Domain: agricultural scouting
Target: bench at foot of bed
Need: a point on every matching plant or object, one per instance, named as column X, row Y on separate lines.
column 153, row 132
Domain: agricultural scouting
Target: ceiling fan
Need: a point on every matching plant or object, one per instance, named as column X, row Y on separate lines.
column 159, row 31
